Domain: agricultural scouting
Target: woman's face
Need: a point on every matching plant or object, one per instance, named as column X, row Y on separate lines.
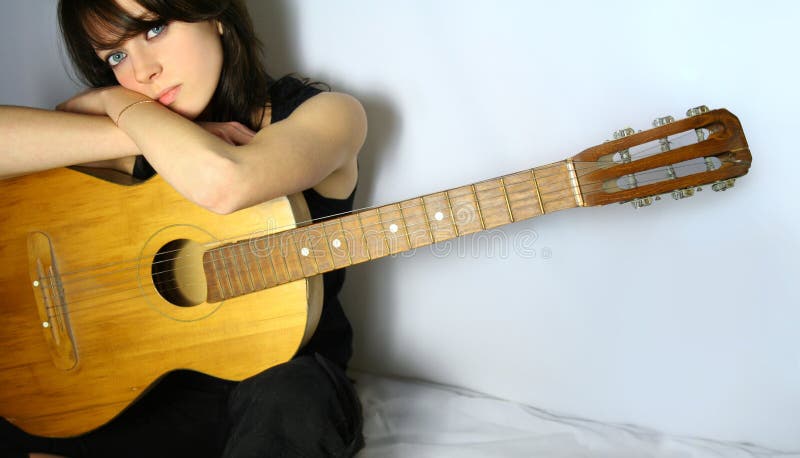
column 178, row 64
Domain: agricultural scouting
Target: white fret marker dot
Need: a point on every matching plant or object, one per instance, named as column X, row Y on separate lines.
column 36, row 283
column 439, row 216
column 305, row 251
column 393, row 228
column 45, row 324
column 336, row 243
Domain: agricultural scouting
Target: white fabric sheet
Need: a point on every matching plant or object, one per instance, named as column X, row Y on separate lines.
column 405, row 418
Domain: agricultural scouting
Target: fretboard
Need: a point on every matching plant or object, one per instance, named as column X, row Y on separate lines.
column 256, row 264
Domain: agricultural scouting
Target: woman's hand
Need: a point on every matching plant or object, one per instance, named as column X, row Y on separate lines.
column 98, row 102
column 233, row 133
column 105, row 101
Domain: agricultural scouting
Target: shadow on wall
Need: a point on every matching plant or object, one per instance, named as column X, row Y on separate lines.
column 277, row 23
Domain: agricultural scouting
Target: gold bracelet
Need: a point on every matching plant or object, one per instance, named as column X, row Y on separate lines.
column 119, row 116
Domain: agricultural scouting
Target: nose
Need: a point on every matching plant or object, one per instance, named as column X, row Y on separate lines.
column 146, row 66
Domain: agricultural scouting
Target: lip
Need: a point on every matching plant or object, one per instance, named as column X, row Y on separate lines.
column 168, row 96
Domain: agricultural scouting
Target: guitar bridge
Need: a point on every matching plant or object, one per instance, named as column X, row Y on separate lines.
column 52, row 308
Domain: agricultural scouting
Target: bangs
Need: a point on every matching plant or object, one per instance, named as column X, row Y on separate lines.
column 107, row 24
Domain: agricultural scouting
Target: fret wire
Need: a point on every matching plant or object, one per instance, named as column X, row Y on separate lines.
column 427, row 219
column 478, row 206
column 344, row 236
column 364, row 235
column 216, row 273
column 286, row 252
column 233, row 263
column 356, row 242
column 247, row 266
column 405, row 224
column 505, row 194
column 271, row 259
column 385, row 238
column 225, row 269
column 538, row 194
column 300, row 256
column 311, row 251
column 327, row 244
column 452, row 216
column 260, row 270
column 283, row 258
column 325, row 236
column 237, row 268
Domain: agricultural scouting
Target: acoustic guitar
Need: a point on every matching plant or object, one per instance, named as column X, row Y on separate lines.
column 107, row 286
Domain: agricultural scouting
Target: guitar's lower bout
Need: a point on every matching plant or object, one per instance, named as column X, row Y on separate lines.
column 131, row 313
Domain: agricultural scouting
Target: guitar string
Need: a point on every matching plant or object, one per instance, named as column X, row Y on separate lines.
column 590, row 165
column 222, row 258
column 558, row 165
column 235, row 282
column 301, row 225
column 511, row 195
column 241, row 271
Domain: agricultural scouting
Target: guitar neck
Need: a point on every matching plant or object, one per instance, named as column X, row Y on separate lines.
column 262, row 262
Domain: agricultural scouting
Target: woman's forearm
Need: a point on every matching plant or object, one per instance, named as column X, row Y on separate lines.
column 33, row 139
column 188, row 157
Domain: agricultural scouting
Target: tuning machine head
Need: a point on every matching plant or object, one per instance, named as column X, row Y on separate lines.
column 663, row 121
column 641, row 202
column 622, row 133
column 696, row 111
column 723, row 185
column 679, row 194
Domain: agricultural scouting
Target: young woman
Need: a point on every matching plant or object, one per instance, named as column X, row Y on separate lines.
column 179, row 89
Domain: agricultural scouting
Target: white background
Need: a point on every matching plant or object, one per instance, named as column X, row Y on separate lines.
column 681, row 317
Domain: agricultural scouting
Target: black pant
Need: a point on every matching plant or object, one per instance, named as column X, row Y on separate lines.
column 306, row 407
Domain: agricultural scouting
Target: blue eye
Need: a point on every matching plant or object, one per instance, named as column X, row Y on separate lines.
column 116, row 58
column 155, row 31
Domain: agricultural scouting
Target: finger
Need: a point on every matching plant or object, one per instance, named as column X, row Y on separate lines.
column 224, row 137
column 239, row 127
column 239, row 137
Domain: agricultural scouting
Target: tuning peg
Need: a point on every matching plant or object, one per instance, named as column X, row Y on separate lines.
column 664, row 142
column 696, row 111
column 679, row 194
column 625, row 155
column 622, row 133
column 663, row 121
column 723, row 185
column 641, row 202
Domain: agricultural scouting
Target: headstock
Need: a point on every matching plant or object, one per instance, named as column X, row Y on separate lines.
column 674, row 157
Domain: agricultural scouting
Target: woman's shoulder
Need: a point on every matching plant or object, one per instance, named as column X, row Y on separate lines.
column 289, row 92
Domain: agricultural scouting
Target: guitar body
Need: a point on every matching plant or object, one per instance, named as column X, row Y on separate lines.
column 82, row 341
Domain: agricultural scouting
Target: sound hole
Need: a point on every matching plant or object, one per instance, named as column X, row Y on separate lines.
column 178, row 275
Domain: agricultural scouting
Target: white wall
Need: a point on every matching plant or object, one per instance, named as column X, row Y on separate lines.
column 681, row 317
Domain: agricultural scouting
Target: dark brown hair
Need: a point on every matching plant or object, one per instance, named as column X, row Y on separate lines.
column 242, row 92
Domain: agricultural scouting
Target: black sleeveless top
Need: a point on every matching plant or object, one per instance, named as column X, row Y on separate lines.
column 334, row 335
